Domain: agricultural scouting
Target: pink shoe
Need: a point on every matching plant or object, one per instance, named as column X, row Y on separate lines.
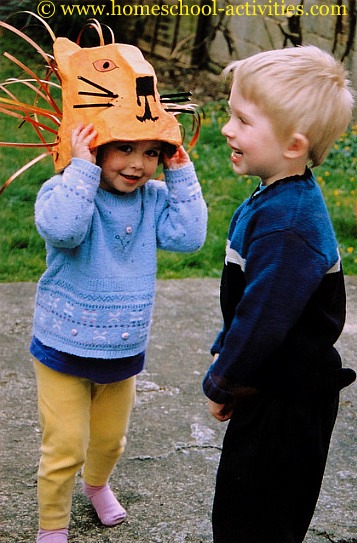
column 52, row 536
column 108, row 509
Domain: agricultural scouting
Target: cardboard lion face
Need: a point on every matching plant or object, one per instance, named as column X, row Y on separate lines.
column 113, row 87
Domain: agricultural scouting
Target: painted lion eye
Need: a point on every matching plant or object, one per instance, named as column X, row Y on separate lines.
column 104, row 65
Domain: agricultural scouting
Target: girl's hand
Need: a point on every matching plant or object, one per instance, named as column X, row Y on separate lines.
column 81, row 138
column 178, row 160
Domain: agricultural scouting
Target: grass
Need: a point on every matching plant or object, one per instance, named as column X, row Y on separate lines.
column 224, row 191
column 22, row 256
column 338, row 180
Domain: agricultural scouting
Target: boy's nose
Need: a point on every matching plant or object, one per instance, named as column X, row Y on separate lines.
column 227, row 130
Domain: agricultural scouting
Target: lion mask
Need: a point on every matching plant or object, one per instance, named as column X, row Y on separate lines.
column 113, row 87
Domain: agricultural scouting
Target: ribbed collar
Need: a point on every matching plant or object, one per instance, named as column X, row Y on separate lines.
column 304, row 177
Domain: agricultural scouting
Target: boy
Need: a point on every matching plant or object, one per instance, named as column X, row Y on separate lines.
column 276, row 374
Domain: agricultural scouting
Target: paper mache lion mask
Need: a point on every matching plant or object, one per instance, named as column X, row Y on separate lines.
column 113, row 87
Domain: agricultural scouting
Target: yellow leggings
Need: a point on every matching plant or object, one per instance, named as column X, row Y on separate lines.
column 83, row 424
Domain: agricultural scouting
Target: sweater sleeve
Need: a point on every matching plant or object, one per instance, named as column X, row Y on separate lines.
column 65, row 204
column 282, row 272
column 182, row 223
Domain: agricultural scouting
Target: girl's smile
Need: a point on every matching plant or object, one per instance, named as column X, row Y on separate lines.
column 128, row 165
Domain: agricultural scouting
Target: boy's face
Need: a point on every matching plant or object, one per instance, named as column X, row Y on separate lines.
column 256, row 150
column 128, row 165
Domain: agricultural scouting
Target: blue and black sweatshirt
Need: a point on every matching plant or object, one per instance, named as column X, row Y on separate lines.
column 282, row 295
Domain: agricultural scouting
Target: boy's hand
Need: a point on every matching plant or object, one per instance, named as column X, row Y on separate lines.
column 220, row 411
column 178, row 160
column 80, row 141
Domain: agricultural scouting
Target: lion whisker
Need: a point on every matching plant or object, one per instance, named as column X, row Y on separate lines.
column 83, row 93
column 108, row 93
column 92, row 105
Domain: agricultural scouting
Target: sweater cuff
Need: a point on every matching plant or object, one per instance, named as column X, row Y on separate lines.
column 184, row 174
column 213, row 392
column 84, row 169
column 183, row 184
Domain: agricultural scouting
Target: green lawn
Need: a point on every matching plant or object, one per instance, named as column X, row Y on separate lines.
column 22, row 256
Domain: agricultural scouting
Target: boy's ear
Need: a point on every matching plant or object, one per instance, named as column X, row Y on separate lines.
column 298, row 146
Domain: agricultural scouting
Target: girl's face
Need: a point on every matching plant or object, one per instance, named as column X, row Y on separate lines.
column 128, row 165
column 256, row 150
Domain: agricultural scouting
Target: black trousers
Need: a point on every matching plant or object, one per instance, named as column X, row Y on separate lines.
column 271, row 468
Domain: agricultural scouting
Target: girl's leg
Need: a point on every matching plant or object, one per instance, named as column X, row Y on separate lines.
column 110, row 413
column 64, row 411
column 109, row 420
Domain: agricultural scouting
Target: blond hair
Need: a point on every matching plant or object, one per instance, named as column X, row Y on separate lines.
column 301, row 89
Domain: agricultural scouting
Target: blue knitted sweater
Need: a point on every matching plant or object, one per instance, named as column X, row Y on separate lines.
column 282, row 292
column 96, row 297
